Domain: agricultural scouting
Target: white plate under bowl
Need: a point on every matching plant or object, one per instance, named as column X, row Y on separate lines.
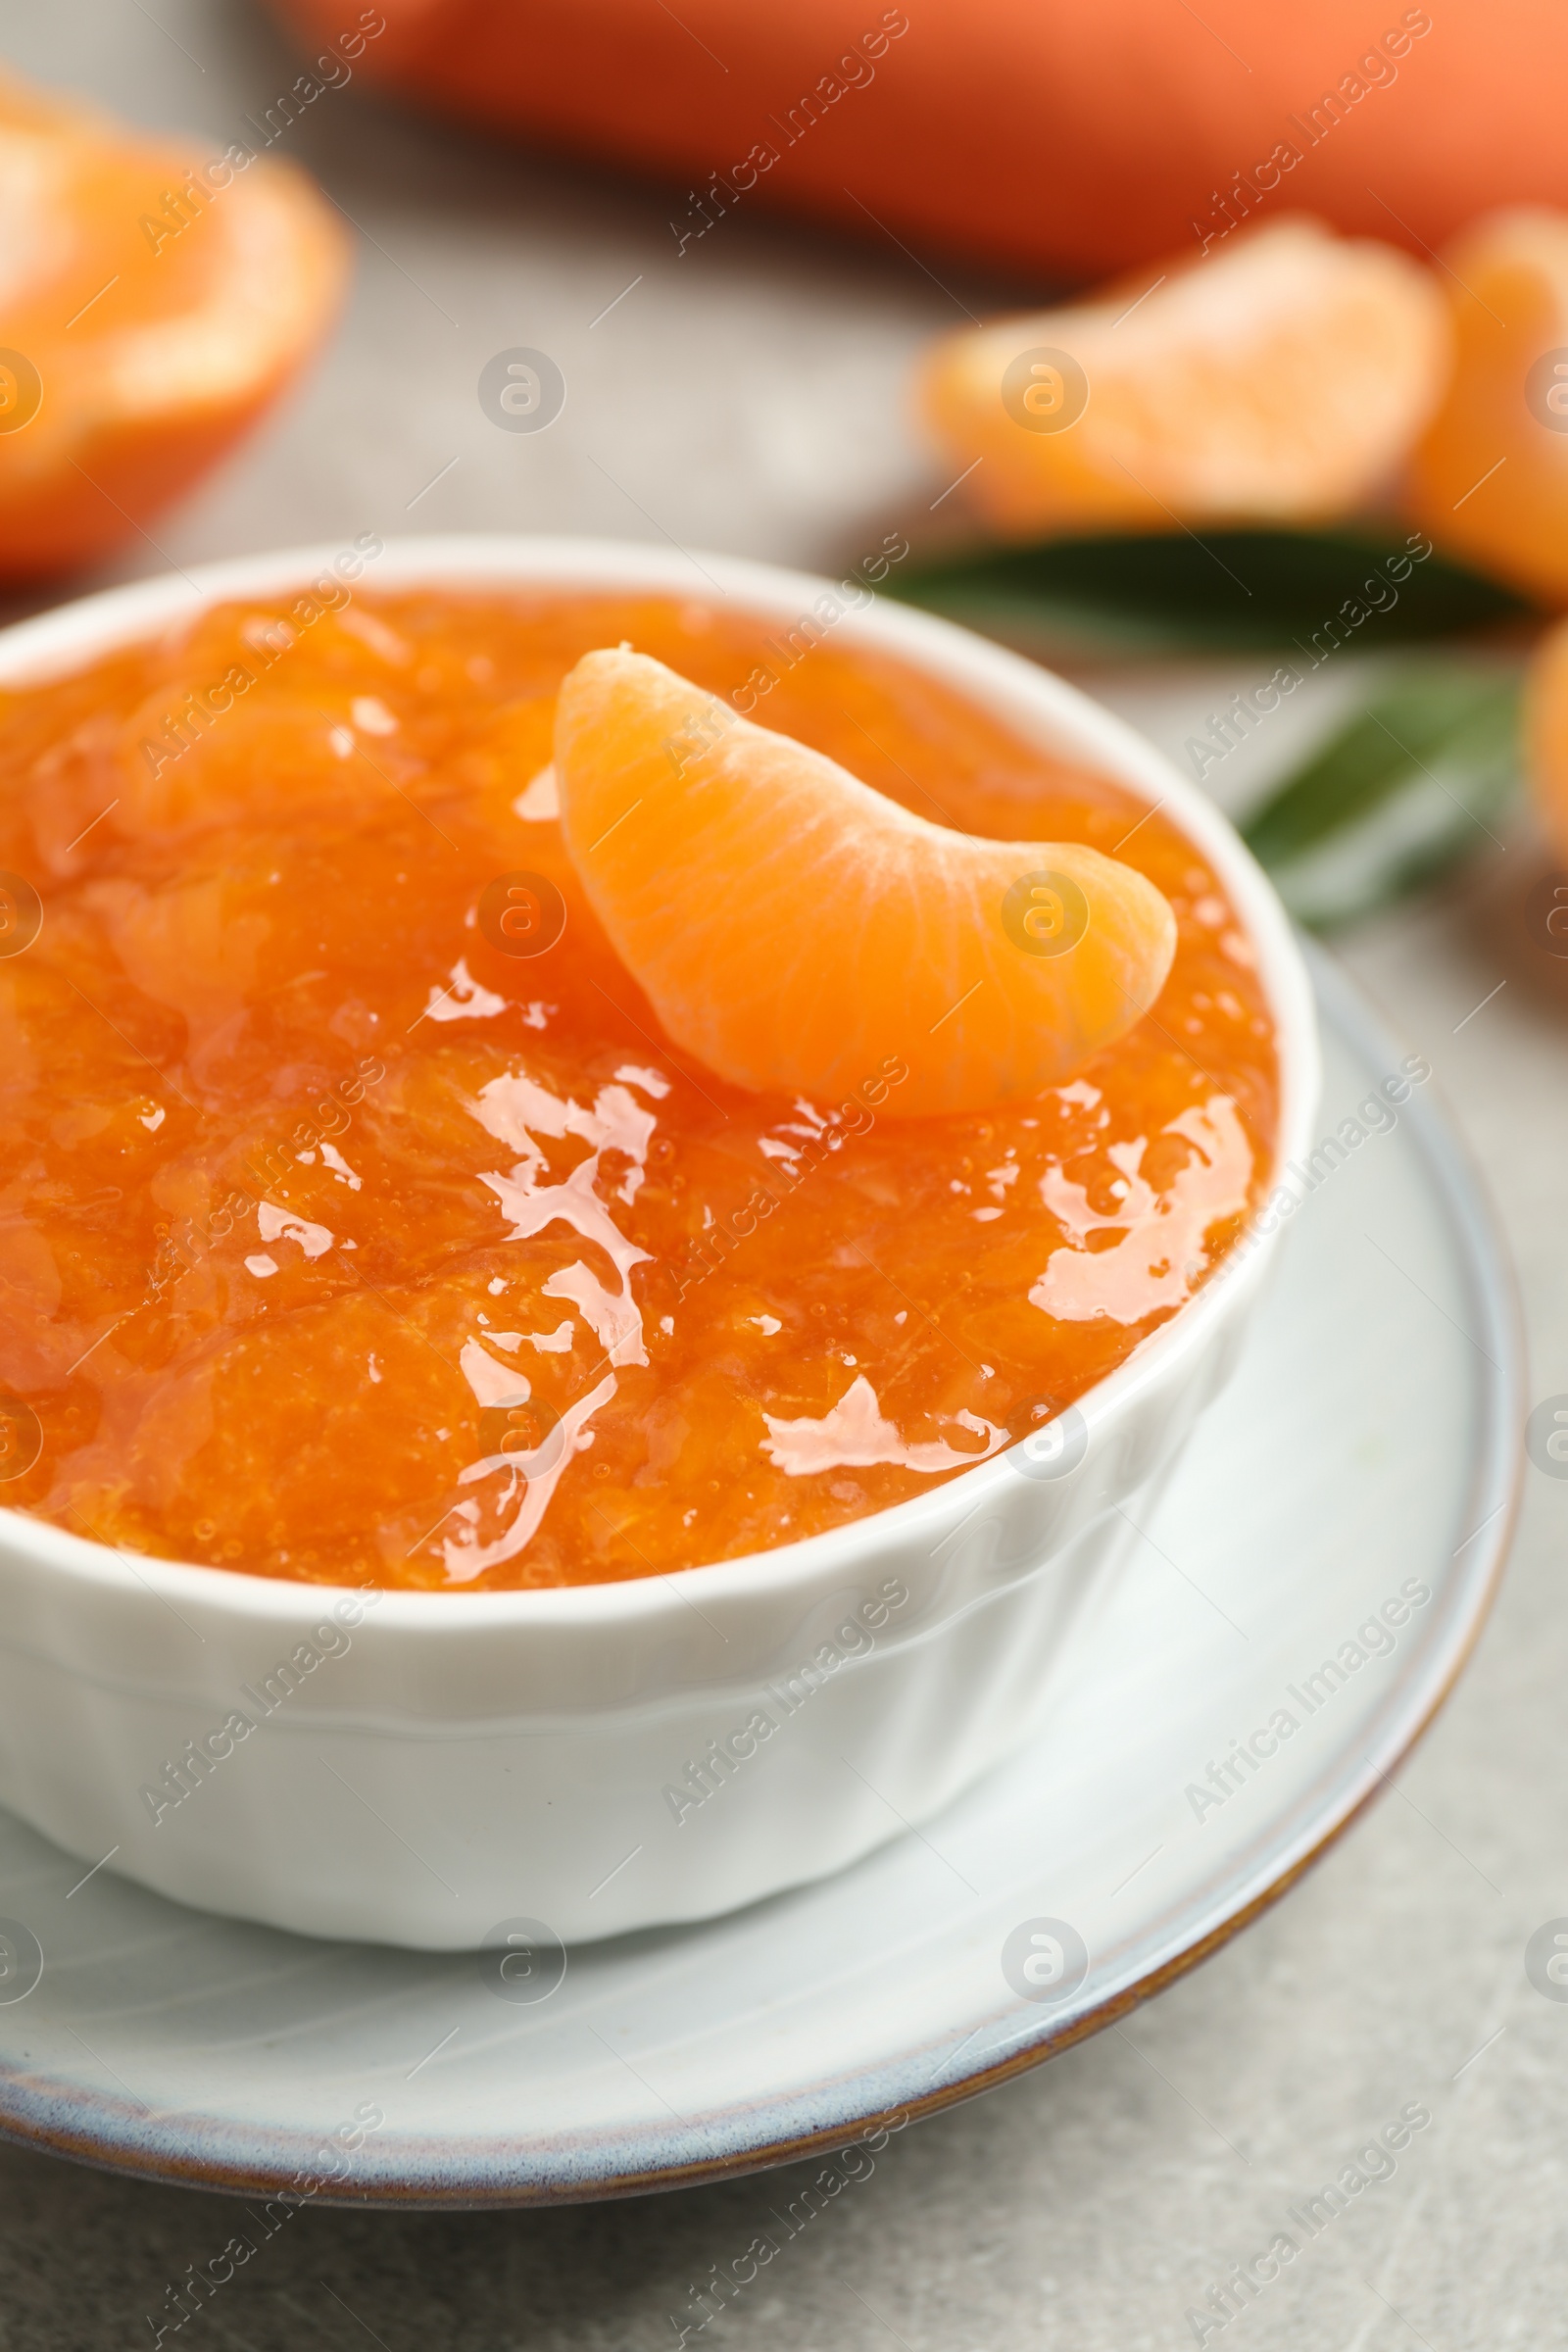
column 1370, row 1439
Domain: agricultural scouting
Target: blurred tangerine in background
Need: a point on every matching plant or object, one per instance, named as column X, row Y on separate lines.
column 1489, row 476
column 1064, row 142
column 154, row 299
column 1283, row 376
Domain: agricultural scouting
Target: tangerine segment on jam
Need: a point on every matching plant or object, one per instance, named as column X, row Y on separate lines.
column 789, row 925
column 361, row 1223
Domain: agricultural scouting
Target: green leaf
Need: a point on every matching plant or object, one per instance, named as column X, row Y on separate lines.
column 1406, row 786
column 1181, row 592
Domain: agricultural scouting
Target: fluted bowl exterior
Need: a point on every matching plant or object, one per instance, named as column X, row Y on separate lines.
column 442, row 1770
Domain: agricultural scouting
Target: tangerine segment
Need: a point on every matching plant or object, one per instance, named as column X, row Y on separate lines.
column 153, row 304
column 793, row 929
column 1489, row 476
column 1281, row 379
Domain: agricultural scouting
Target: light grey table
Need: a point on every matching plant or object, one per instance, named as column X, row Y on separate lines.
column 748, row 396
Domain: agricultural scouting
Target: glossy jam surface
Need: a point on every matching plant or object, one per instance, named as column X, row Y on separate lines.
column 349, row 1231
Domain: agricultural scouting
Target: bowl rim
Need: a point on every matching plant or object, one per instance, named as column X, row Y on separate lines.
column 54, row 642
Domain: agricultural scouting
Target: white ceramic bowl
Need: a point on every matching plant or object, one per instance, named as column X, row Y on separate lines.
column 563, row 1765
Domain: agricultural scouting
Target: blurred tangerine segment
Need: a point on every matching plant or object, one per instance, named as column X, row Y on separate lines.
column 1283, row 376
column 153, row 304
column 1489, row 476
column 797, row 932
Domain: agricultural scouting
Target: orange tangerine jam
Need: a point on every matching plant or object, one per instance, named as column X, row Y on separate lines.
column 360, row 1224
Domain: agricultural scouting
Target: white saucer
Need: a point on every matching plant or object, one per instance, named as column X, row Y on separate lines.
column 1369, row 1442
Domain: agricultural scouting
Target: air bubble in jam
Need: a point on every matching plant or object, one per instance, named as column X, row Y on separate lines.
column 338, row 1245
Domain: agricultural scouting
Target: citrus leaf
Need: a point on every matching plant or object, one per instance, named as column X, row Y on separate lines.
column 1406, row 786
column 1223, row 590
